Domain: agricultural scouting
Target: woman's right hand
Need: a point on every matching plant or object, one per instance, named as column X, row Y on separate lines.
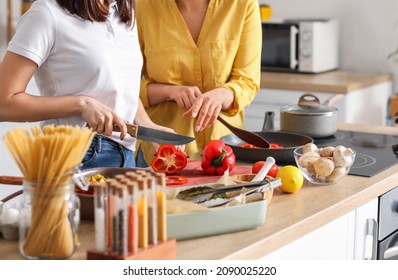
column 101, row 118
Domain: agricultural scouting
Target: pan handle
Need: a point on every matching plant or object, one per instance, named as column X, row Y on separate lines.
column 11, row 196
column 11, row 180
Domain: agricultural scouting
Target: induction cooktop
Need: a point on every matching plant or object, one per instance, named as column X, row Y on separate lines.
column 375, row 152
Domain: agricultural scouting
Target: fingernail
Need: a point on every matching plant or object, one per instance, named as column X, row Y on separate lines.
column 197, row 128
column 194, row 114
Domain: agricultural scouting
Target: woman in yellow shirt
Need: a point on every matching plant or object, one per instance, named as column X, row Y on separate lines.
column 201, row 58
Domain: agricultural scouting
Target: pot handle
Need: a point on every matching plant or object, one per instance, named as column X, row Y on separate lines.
column 333, row 99
column 268, row 124
column 309, row 100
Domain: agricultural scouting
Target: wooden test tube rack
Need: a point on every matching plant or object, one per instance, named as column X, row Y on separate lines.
column 164, row 250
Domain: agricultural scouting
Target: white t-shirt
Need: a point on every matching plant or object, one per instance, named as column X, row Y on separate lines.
column 78, row 57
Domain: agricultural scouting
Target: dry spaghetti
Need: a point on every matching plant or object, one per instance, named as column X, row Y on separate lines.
column 47, row 158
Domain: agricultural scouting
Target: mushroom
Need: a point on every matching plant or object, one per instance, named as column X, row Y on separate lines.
column 310, row 147
column 337, row 173
column 339, row 151
column 308, row 159
column 324, row 166
column 326, row 152
column 343, row 157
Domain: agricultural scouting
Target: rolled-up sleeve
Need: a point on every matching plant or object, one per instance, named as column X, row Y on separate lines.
column 245, row 75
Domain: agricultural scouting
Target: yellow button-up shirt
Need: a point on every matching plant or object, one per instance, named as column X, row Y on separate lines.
column 227, row 54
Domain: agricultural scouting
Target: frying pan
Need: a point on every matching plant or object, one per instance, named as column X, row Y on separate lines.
column 288, row 140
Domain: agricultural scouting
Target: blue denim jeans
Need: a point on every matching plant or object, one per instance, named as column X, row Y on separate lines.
column 104, row 152
column 140, row 159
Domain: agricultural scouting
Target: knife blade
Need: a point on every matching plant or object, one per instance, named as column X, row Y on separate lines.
column 154, row 135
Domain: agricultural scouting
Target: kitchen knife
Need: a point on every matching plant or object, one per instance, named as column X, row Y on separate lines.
column 154, row 135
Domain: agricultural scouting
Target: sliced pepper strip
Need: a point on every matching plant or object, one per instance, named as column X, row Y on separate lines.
column 168, row 160
column 176, row 180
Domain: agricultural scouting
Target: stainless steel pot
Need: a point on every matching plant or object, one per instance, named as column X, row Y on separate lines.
column 310, row 117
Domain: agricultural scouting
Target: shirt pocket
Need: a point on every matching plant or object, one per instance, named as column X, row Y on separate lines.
column 223, row 54
column 162, row 65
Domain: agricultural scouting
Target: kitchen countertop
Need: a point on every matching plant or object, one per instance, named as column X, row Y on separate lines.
column 333, row 81
column 289, row 216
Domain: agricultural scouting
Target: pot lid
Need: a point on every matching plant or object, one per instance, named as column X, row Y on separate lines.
column 310, row 105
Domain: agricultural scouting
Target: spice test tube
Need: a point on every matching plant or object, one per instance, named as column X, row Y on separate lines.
column 132, row 222
column 121, row 179
column 161, row 206
column 122, row 221
column 142, row 214
column 108, row 216
column 99, row 217
column 114, row 218
column 152, row 211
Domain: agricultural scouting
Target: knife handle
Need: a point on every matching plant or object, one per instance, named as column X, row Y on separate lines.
column 132, row 129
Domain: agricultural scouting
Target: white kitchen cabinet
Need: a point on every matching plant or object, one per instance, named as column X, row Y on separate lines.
column 365, row 98
column 352, row 236
column 333, row 241
column 365, row 246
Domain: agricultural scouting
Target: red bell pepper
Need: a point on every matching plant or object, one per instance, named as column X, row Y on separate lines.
column 168, row 160
column 217, row 158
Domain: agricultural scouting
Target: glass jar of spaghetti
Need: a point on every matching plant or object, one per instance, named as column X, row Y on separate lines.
column 49, row 219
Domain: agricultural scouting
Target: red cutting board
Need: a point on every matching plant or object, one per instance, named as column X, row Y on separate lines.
column 196, row 176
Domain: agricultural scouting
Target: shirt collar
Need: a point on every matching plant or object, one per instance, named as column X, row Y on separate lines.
column 113, row 5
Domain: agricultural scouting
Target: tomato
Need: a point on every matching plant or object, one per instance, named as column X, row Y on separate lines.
column 259, row 164
column 275, row 146
column 271, row 146
column 246, row 145
column 168, row 160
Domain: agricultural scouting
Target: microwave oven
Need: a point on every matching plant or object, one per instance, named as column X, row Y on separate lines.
column 300, row 45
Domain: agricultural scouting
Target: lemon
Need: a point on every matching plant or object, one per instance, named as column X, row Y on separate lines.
column 291, row 178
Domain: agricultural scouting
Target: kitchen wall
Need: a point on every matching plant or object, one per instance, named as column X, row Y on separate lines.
column 368, row 29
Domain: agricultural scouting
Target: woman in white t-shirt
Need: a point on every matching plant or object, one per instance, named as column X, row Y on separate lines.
column 86, row 61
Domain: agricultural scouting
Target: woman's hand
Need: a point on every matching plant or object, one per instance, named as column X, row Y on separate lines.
column 101, row 118
column 207, row 107
column 184, row 96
